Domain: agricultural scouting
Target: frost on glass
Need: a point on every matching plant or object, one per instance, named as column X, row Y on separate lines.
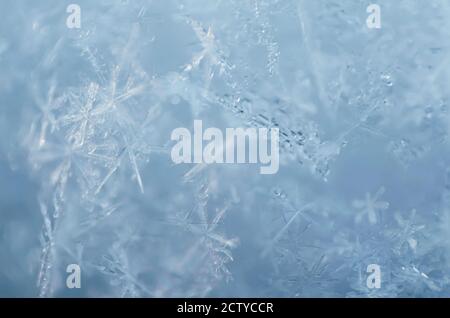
column 87, row 177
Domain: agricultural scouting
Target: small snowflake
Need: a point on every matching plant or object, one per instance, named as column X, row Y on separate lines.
column 409, row 230
column 370, row 206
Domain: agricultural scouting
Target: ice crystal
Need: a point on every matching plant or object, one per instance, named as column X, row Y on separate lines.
column 370, row 206
column 87, row 178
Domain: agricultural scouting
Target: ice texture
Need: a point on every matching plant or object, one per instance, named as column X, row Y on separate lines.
column 86, row 175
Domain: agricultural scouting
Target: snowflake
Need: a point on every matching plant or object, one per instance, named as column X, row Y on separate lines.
column 370, row 206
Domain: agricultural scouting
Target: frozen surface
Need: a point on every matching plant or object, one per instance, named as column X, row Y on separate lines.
column 86, row 175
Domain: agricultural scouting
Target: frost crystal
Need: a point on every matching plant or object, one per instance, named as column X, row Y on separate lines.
column 85, row 159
